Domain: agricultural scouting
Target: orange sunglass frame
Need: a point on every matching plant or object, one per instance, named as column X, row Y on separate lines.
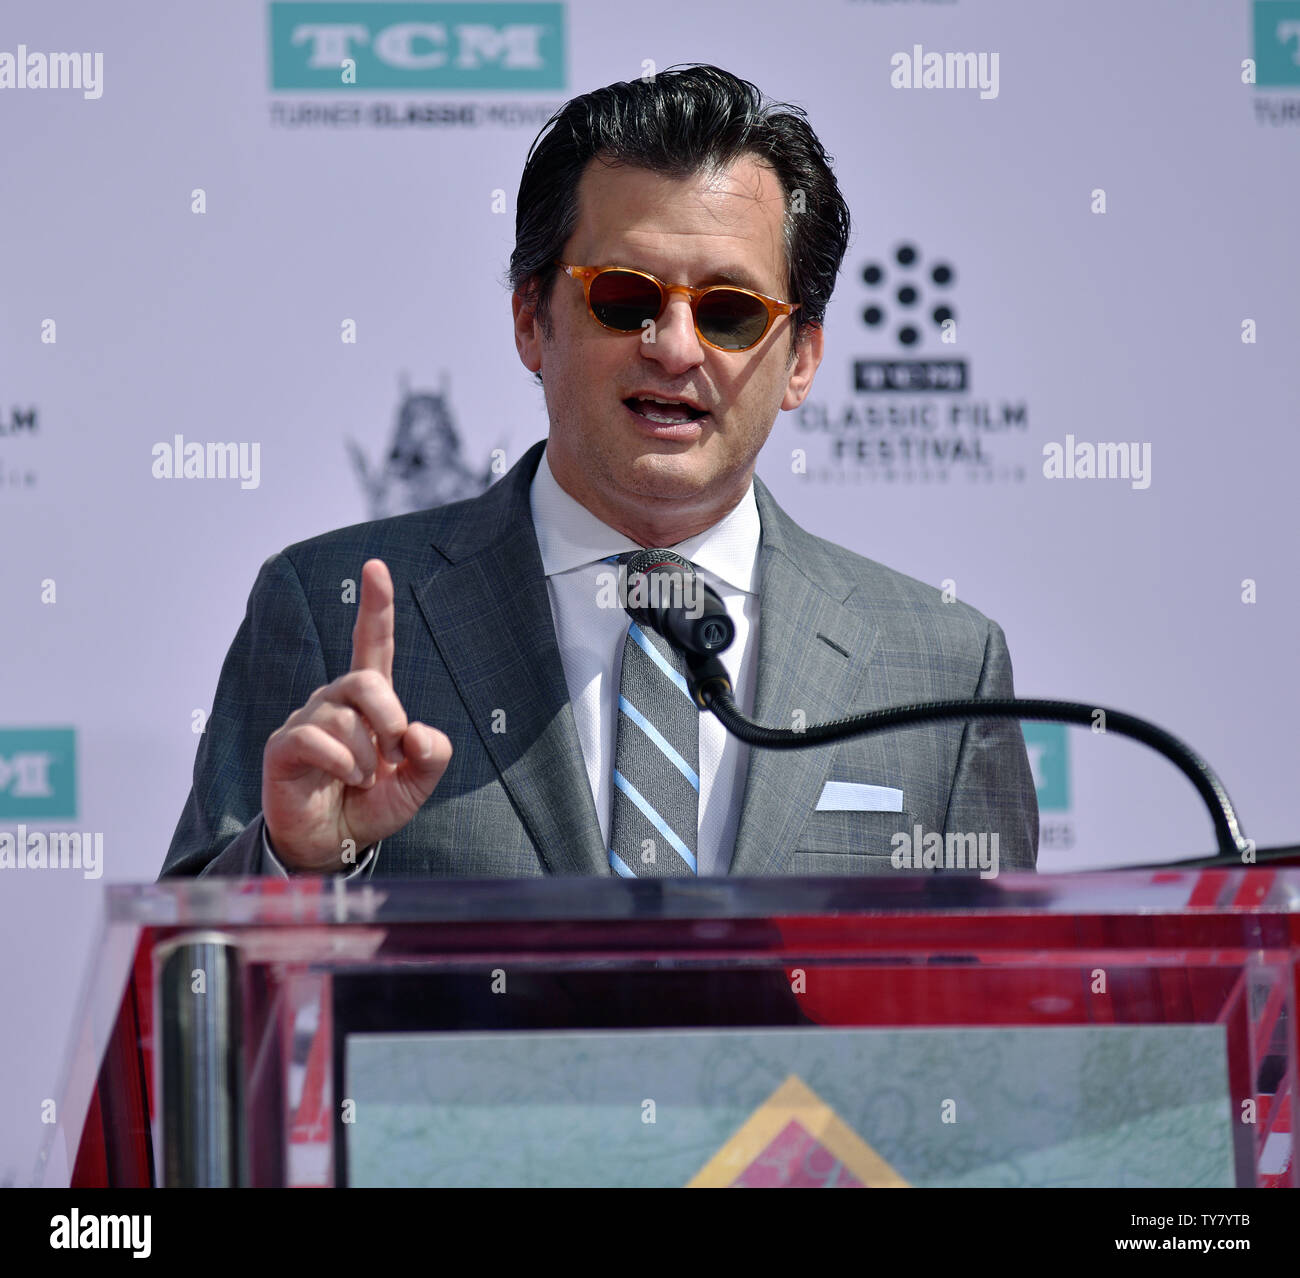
column 588, row 274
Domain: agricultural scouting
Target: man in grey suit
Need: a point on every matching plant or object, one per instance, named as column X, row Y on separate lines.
column 677, row 241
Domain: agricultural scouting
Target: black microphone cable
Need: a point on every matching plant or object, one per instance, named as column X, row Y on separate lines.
column 710, row 688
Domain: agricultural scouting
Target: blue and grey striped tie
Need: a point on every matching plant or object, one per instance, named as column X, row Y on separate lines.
column 656, row 791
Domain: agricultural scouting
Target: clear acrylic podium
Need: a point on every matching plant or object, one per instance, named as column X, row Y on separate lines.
column 1123, row 1029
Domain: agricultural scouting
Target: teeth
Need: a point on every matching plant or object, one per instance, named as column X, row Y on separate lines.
column 661, row 419
column 650, row 399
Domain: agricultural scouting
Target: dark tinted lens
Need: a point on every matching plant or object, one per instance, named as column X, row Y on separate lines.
column 624, row 301
column 730, row 318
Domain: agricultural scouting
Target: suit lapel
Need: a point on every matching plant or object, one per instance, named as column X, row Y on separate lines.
column 813, row 658
column 489, row 613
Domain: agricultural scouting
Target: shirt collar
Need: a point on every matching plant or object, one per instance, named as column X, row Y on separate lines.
column 569, row 535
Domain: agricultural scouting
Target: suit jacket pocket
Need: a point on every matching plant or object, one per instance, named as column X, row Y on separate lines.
column 848, row 842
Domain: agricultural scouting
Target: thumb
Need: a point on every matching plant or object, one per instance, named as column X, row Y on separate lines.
column 428, row 752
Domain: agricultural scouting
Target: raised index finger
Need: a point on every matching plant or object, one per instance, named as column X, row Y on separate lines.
column 372, row 637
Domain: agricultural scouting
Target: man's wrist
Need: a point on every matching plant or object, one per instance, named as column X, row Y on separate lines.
column 348, row 868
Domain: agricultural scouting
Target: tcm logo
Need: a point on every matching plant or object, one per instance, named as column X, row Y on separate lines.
column 416, row 46
column 1277, row 43
column 1048, row 747
column 17, row 422
column 912, row 298
column 38, row 773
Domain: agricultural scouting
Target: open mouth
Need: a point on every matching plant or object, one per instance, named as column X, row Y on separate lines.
column 664, row 412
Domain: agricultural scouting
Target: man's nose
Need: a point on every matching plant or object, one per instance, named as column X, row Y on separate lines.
column 676, row 345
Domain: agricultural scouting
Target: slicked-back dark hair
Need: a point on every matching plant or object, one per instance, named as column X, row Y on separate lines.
column 680, row 122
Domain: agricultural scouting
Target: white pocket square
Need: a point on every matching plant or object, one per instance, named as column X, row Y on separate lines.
column 849, row 796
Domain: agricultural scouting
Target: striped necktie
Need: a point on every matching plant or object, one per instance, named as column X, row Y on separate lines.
column 656, row 792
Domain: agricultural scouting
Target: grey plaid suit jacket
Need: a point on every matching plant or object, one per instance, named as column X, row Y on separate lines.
column 838, row 634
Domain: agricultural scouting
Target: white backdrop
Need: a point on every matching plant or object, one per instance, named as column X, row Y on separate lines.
column 121, row 591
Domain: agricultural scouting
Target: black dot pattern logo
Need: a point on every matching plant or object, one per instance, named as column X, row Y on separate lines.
column 908, row 296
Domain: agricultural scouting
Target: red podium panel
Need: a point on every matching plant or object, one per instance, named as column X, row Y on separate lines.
column 222, row 1017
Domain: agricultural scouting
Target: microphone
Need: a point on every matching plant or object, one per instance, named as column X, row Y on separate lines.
column 703, row 631
column 663, row 591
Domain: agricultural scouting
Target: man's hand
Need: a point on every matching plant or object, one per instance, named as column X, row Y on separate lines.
column 347, row 769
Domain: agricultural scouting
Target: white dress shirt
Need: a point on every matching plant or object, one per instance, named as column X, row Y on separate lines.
column 574, row 544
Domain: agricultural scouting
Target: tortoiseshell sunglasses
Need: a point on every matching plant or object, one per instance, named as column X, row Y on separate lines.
column 727, row 317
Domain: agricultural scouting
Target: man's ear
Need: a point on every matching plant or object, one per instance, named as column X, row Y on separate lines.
column 809, row 349
column 528, row 330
